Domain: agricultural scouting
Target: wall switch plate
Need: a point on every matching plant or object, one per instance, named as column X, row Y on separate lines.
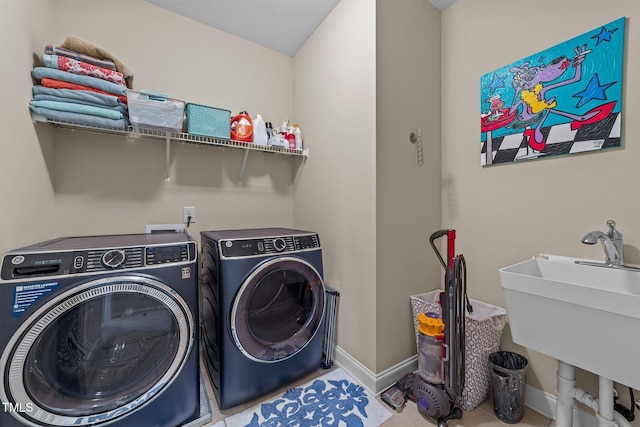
column 189, row 211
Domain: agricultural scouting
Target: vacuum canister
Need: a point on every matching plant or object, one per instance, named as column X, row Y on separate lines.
column 430, row 351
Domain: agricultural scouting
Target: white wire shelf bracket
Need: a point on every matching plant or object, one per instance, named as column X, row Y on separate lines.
column 133, row 132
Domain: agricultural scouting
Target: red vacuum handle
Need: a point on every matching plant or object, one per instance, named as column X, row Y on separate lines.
column 451, row 247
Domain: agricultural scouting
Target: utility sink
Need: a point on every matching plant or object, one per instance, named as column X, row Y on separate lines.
column 584, row 315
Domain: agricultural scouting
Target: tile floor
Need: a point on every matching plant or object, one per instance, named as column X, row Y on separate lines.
column 482, row 416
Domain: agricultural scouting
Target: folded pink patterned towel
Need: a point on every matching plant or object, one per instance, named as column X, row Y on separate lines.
column 82, row 46
column 82, row 68
column 60, row 51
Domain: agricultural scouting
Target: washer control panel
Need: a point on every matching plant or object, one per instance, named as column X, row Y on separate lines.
column 234, row 248
column 27, row 265
column 167, row 254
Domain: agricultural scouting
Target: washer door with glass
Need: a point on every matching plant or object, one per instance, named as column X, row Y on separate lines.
column 97, row 352
column 278, row 309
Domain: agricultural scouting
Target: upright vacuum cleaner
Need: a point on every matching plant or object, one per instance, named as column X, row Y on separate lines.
column 441, row 352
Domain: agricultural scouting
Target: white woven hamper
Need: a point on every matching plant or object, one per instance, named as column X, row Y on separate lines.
column 483, row 330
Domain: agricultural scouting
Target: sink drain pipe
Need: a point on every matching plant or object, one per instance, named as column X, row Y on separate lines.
column 568, row 394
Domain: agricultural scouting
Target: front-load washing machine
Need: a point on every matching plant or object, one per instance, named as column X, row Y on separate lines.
column 99, row 331
column 262, row 307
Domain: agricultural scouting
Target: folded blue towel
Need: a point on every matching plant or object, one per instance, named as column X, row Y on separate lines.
column 41, row 72
column 42, row 97
column 79, row 95
column 78, row 108
column 80, row 119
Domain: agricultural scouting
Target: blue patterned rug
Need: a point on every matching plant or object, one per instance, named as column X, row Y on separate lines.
column 333, row 399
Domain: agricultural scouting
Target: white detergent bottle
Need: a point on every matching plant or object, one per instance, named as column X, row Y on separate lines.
column 259, row 131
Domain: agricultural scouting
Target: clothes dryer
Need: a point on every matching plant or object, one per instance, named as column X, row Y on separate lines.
column 262, row 307
column 100, row 331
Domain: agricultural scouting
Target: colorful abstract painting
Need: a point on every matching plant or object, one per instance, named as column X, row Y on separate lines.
column 564, row 100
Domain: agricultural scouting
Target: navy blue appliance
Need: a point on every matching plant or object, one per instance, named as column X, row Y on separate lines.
column 100, row 330
column 262, row 307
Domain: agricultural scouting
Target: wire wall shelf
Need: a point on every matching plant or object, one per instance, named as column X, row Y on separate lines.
column 132, row 132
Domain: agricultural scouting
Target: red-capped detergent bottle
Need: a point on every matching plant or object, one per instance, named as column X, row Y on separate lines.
column 242, row 127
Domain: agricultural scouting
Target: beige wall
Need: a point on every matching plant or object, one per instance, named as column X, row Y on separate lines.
column 508, row 213
column 55, row 182
column 335, row 98
column 407, row 195
column 360, row 89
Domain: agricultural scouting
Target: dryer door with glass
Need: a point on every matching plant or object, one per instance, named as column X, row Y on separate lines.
column 278, row 309
column 97, row 352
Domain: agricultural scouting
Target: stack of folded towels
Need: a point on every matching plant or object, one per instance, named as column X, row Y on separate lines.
column 82, row 84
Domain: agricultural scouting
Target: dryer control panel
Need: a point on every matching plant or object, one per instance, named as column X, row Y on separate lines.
column 234, row 248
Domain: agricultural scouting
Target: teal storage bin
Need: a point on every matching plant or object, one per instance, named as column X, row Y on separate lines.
column 208, row 121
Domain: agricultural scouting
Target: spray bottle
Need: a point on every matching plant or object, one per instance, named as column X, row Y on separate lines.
column 298, row 135
column 291, row 137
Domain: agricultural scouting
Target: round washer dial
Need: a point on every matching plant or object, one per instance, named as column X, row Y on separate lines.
column 113, row 258
column 279, row 244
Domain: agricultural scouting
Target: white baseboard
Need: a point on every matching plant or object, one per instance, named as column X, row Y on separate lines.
column 535, row 399
column 374, row 383
column 545, row 403
column 540, row 401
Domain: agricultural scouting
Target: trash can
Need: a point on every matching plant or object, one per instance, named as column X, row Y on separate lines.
column 508, row 374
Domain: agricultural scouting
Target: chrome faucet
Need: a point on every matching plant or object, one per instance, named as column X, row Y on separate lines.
column 612, row 243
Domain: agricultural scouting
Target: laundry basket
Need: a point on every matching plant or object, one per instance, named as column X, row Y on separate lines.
column 483, row 330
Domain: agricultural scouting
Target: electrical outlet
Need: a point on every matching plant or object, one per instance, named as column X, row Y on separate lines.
column 188, row 211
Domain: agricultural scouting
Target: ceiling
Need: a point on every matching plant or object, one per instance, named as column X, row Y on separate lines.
column 281, row 25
